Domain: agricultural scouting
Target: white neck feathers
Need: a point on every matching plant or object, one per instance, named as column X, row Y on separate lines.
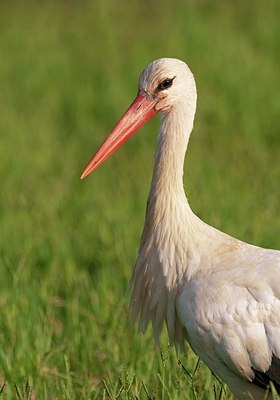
column 161, row 263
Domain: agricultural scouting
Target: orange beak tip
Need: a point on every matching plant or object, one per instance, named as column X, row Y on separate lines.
column 85, row 173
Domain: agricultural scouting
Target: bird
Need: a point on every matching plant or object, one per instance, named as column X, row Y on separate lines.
column 215, row 292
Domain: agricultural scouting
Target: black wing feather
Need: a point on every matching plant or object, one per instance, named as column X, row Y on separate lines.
column 262, row 379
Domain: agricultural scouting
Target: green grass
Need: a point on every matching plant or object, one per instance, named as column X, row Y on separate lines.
column 68, row 70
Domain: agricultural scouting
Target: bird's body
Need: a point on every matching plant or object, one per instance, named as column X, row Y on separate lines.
column 219, row 294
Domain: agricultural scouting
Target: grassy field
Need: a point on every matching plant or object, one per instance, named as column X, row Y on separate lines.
column 68, row 69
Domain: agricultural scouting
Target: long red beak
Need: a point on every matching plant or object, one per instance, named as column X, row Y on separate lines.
column 140, row 111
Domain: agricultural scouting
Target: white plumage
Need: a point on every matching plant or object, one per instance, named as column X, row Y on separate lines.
column 216, row 292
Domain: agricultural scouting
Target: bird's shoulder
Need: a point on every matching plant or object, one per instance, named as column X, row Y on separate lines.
column 233, row 286
column 233, row 312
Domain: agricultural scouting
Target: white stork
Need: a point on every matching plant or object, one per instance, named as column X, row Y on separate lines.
column 219, row 294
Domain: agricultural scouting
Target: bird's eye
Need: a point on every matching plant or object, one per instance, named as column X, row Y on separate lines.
column 167, row 83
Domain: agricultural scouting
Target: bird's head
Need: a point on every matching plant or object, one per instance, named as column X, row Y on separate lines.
column 167, row 81
column 163, row 84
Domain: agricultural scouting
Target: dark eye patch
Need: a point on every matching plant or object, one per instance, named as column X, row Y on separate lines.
column 165, row 84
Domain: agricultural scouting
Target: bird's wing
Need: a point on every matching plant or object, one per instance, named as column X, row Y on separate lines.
column 262, row 379
column 232, row 317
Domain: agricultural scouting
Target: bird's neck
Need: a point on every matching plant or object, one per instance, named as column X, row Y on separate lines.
column 167, row 182
column 163, row 252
